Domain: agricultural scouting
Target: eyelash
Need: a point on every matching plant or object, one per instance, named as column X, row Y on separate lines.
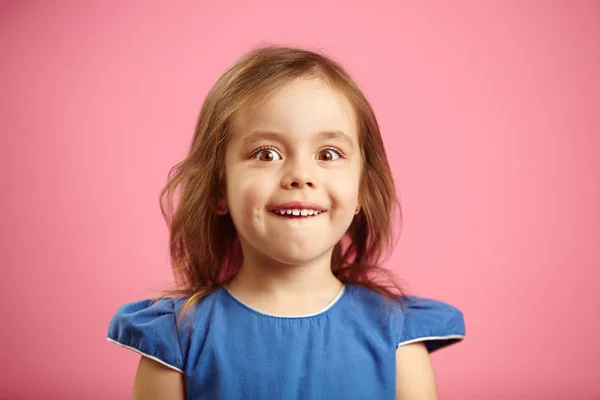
column 258, row 150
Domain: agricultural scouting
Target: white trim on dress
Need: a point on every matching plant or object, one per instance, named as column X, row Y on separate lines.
column 322, row 311
column 146, row 355
column 429, row 338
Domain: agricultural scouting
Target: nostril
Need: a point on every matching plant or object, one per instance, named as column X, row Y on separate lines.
column 297, row 185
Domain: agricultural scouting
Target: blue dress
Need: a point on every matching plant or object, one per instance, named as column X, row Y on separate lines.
column 231, row 351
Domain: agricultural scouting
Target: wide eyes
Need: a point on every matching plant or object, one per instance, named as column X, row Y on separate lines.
column 328, row 155
column 269, row 154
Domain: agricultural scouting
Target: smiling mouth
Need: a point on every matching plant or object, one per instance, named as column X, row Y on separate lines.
column 297, row 213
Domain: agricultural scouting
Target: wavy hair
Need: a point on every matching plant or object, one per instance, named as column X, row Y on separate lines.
column 204, row 248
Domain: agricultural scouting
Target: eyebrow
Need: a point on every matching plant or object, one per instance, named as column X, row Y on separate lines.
column 258, row 136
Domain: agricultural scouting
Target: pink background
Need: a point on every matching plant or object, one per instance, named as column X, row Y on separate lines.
column 490, row 113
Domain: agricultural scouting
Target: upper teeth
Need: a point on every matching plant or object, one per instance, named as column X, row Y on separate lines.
column 302, row 212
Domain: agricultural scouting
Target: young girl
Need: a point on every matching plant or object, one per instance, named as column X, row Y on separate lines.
column 286, row 205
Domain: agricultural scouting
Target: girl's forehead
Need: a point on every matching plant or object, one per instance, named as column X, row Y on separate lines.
column 301, row 106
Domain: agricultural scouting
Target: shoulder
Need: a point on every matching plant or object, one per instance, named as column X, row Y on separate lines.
column 412, row 319
column 151, row 328
column 435, row 323
column 148, row 327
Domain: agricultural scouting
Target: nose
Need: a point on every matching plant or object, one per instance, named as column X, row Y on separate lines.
column 299, row 176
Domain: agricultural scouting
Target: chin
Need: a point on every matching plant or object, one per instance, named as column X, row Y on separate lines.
column 296, row 256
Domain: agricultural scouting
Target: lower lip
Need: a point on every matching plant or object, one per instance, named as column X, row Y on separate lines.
column 292, row 216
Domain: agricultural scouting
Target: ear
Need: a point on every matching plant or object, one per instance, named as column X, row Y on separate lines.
column 222, row 208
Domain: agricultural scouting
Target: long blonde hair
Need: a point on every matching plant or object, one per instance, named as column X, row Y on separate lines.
column 204, row 247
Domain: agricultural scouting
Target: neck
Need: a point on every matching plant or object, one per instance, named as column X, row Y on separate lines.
column 261, row 276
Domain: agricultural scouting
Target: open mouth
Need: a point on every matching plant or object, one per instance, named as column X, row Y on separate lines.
column 297, row 213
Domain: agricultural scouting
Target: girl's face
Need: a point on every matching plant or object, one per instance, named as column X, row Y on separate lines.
column 300, row 147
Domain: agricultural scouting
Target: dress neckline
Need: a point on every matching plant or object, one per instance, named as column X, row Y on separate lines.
column 264, row 314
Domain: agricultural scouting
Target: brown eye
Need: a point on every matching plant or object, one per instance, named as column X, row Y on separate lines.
column 328, row 155
column 267, row 155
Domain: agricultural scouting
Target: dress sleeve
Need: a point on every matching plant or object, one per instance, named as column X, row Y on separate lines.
column 150, row 330
column 433, row 322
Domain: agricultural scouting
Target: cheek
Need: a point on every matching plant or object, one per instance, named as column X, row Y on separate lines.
column 345, row 192
column 247, row 191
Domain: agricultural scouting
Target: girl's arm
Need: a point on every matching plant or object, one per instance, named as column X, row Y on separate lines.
column 415, row 379
column 154, row 381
